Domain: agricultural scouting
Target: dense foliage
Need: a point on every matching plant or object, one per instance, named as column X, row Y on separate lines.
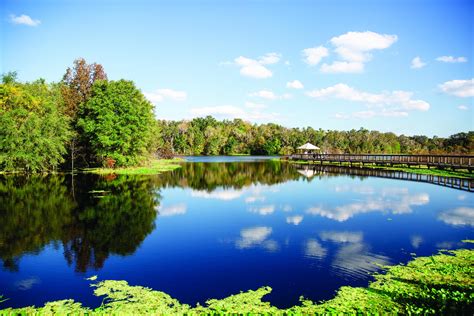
column 208, row 136
column 116, row 121
column 84, row 120
column 440, row 284
column 34, row 130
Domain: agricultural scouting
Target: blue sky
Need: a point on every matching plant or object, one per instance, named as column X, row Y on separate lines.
column 401, row 66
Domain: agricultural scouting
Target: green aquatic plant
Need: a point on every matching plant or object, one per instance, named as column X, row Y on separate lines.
column 122, row 298
column 154, row 167
column 439, row 284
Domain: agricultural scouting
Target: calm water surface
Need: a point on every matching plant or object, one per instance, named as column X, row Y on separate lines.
column 211, row 229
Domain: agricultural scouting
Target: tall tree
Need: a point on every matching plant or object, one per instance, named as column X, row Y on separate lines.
column 117, row 123
column 76, row 90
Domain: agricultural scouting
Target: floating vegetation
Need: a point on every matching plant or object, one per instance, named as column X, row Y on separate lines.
column 155, row 167
column 440, row 284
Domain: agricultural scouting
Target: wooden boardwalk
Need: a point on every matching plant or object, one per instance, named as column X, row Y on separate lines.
column 436, row 161
column 451, row 182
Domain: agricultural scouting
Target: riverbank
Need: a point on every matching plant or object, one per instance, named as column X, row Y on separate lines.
column 438, row 284
column 416, row 170
column 156, row 167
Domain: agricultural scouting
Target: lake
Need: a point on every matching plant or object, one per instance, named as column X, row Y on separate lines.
column 218, row 226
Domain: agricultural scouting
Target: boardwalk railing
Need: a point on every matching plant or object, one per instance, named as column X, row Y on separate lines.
column 438, row 161
column 452, row 182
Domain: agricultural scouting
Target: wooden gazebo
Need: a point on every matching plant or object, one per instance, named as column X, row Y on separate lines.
column 308, row 148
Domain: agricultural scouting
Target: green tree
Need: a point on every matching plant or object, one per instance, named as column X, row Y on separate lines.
column 33, row 129
column 117, row 123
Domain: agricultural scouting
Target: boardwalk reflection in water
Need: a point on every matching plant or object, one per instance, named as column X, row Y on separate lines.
column 453, row 182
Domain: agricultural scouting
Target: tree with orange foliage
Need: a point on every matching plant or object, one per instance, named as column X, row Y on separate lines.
column 76, row 90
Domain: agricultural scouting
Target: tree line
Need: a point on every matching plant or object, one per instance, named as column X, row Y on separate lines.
column 86, row 120
column 208, row 136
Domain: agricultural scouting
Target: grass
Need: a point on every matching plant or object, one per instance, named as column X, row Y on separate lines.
column 418, row 170
column 439, row 284
column 156, row 167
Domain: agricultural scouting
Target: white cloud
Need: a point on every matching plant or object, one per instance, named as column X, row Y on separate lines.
column 24, row 19
column 263, row 210
column 255, row 68
column 396, row 204
column 176, row 209
column 361, row 189
column 382, row 113
column 451, row 59
column 417, row 63
column 356, row 46
column 355, row 260
column 253, row 236
column 269, row 59
column 265, row 94
column 312, row 56
column 416, row 241
column 463, row 107
column 459, row 88
column 27, row 284
column 341, row 237
column 252, row 68
column 269, row 95
column 175, row 95
column 160, row 95
column 385, row 104
column 448, row 245
column 255, row 106
column 461, row 216
column 224, row 195
column 256, row 237
column 313, row 249
column 295, row 220
column 295, row 84
column 254, row 198
column 153, row 97
column 342, row 67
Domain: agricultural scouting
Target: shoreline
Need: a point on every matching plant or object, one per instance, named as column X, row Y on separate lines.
column 158, row 166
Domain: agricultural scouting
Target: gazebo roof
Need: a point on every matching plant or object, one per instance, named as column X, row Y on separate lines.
column 309, row 146
column 307, row 173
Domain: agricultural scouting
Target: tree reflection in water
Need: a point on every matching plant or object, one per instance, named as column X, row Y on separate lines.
column 102, row 217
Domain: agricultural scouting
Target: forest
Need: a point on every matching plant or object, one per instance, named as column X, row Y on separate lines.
column 208, row 136
column 86, row 120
